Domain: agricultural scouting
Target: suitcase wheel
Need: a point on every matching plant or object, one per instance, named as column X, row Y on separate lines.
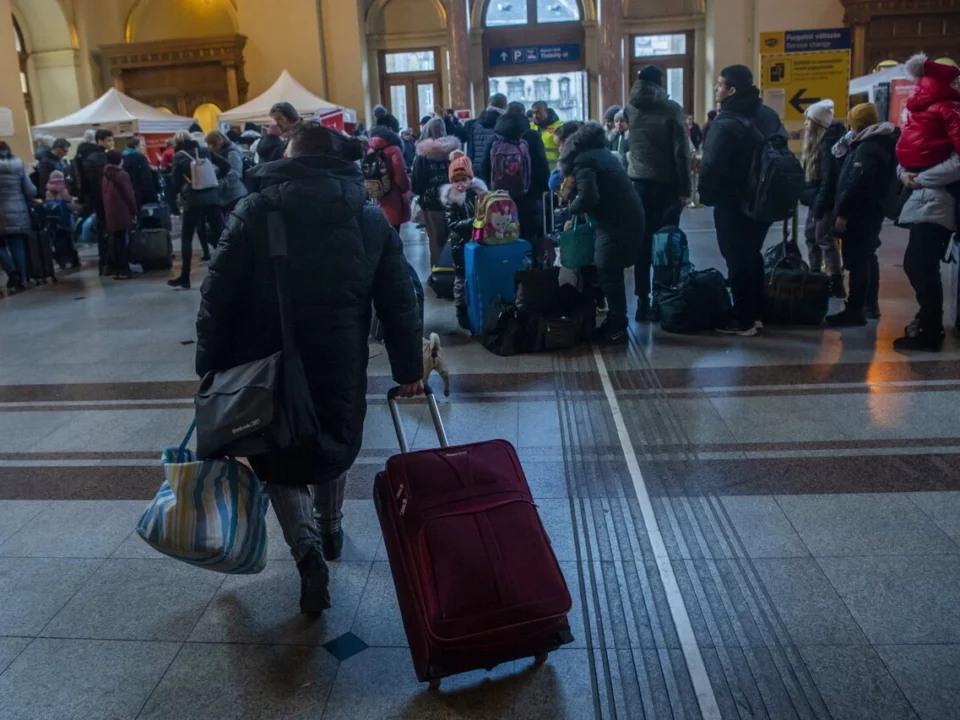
column 540, row 659
column 435, row 684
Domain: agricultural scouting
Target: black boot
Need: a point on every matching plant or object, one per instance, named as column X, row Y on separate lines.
column 463, row 319
column 872, row 311
column 643, row 309
column 836, row 287
column 183, row 281
column 332, row 545
column 314, row 584
column 924, row 340
column 848, row 317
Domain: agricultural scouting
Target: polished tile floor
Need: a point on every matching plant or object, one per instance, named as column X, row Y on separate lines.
column 763, row 527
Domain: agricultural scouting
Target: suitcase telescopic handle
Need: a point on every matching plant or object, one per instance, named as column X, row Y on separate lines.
column 434, row 414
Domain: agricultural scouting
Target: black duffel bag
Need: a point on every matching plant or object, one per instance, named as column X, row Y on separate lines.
column 700, row 301
column 262, row 406
column 793, row 294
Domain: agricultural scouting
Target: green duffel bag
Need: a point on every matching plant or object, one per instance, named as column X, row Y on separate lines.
column 577, row 244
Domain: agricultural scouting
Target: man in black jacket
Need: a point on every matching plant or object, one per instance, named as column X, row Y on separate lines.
column 344, row 260
column 724, row 173
column 658, row 164
column 50, row 160
column 92, row 170
column 868, row 171
column 478, row 134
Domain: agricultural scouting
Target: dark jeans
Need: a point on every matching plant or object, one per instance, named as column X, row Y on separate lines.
column 860, row 259
column 530, row 215
column 13, row 255
column 921, row 262
column 612, row 284
column 741, row 241
column 198, row 220
column 119, row 252
column 661, row 208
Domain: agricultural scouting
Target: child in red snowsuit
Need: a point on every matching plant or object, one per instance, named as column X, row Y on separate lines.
column 932, row 133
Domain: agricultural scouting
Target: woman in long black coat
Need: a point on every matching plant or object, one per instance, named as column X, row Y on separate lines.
column 607, row 196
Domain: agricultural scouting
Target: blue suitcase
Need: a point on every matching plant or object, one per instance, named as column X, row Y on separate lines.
column 489, row 278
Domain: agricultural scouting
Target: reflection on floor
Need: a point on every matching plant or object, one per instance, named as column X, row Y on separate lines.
column 803, row 485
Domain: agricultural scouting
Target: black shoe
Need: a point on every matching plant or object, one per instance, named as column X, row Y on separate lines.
column 735, row 327
column 643, row 310
column 180, row 282
column 205, row 258
column 14, row 281
column 872, row 311
column 314, row 584
column 836, row 287
column 332, row 545
column 847, row 318
column 611, row 336
column 923, row 341
column 463, row 319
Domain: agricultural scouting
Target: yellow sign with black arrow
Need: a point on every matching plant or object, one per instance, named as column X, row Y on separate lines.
column 794, row 76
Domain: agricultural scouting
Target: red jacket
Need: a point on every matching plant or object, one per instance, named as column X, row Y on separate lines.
column 119, row 203
column 932, row 132
column 166, row 157
column 396, row 203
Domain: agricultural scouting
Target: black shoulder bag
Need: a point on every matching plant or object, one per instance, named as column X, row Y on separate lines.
column 262, row 406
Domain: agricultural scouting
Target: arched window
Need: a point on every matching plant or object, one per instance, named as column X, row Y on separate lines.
column 541, row 87
column 22, row 56
column 564, row 88
column 885, row 64
column 206, row 115
column 502, row 13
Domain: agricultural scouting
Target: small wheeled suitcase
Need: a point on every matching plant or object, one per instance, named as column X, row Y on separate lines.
column 40, row 257
column 151, row 248
column 476, row 577
column 490, row 272
column 155, row 215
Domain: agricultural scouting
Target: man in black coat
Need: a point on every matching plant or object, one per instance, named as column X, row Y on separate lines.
column 606, row 194
column 344, row 259
column 50, row 160
column 478, row 134
column 514, row 126
column 93, row 165
column 724, row 172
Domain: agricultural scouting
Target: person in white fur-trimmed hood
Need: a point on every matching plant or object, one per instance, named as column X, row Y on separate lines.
column 428, row 175
column 459, row 199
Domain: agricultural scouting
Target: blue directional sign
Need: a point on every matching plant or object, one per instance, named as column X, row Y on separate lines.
column 534, row 54
column 816, row 40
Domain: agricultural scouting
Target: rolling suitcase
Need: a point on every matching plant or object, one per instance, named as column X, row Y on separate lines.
column 155, row 215
column 443, row 274
column 490, row 271
column 152, row 249
column 477, row 580
column 40, row 257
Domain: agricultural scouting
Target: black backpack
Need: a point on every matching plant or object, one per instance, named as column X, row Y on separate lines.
column 775, row 180
column 376, row 177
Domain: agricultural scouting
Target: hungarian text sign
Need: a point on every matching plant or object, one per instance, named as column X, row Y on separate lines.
column 535, row 54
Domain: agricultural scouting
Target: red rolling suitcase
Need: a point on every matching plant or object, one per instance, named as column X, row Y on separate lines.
column 476, row 577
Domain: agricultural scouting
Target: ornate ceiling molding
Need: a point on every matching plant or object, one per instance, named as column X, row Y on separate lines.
column 860, row 12
column 227, row 49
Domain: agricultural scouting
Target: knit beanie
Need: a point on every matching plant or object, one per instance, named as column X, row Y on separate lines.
column 651, row 74
column 821, row 113
column 863, row 116
column 461, row 168
column 379, row 111
column 611, row 113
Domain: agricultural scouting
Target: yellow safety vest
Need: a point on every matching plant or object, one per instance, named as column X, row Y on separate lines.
column 549, row 142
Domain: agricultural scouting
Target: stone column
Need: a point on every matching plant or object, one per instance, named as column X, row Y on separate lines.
column 458, row 45
column 55, row 89
column 11, row 94
column 859, row 63
column 610, row 27
column 233, row 87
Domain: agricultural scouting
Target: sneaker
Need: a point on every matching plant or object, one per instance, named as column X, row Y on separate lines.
column 847, row 318
column 734, row 327
column 836, row 287
column 872, row 312
column 179, row 282
column 332, row 545
column 314, row 584
column 758, row 324
column 609, row 336
column 922, row 341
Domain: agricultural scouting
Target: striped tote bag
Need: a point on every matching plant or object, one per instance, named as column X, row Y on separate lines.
column 211, row 514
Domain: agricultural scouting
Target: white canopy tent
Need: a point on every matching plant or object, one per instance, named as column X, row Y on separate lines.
column 868, row 83
column 117, row 112
column 285, row 89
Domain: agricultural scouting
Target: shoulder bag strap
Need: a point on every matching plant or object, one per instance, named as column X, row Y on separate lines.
column 277, row 234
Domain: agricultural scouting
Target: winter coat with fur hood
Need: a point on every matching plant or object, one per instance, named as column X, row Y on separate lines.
column 460, row 209
column 430, row 170
column 15, row 191
column 606, row 194
column 867, row 172
column 932, row 132
column 396, row 203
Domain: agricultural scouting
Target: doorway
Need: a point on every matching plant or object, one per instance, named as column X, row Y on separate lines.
column 410, row 88
column 673, row 54
column 565, row 92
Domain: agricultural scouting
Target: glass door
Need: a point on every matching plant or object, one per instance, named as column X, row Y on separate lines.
column 410, row 87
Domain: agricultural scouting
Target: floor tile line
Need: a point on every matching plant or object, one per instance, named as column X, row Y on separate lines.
column 695, row 663
column 80, row 587
column 9, row 665
column 932, row 519
column 146, row 700
column 574, row 491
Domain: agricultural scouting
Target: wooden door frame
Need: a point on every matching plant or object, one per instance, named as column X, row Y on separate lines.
column 685, row 61
column 434, row 76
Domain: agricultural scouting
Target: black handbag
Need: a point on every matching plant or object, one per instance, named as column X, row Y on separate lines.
column 262, row 406
column 793, row 294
